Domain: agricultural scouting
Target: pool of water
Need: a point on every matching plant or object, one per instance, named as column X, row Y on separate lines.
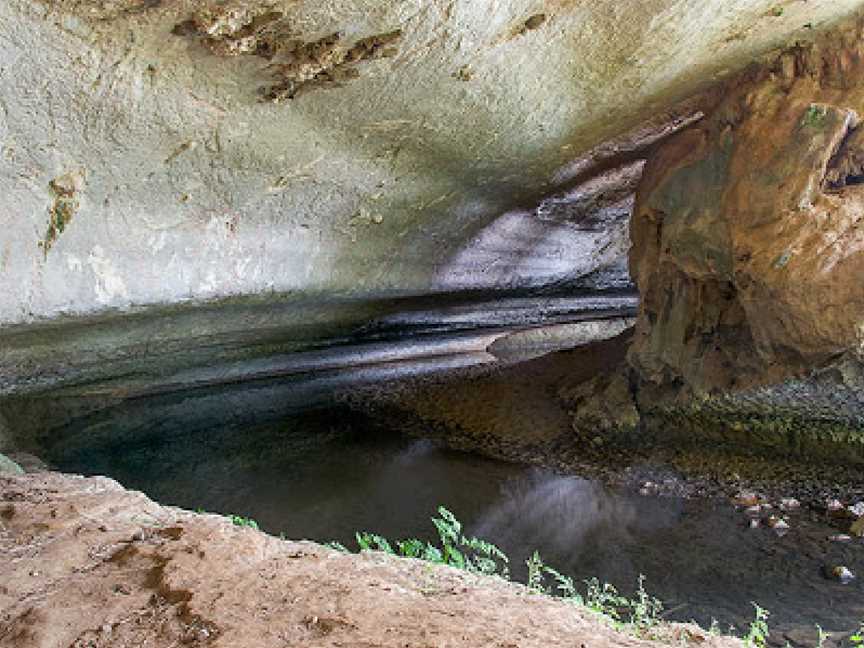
column 323, row 473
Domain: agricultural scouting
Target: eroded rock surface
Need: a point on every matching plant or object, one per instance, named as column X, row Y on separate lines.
column 87, row 563
column 748, row 249
column 366, row 147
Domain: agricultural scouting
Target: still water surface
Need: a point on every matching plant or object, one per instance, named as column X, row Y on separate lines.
column 322, row 474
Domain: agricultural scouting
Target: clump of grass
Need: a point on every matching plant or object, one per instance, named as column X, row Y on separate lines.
column 856, row 639
column 239, row 520
column 821, row 636
column 814, row 116
column 758, row 633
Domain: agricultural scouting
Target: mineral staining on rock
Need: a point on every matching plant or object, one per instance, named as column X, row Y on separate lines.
column 295, row 65
column 747, row 232
column 65, row 205
column 748, row 250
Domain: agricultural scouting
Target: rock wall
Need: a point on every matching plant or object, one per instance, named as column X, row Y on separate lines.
column 748, row 250
column 162, row 152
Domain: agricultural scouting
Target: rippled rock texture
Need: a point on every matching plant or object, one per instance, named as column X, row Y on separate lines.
column 748, row 250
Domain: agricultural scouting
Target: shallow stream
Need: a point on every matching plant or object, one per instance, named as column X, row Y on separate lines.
column 324, row 473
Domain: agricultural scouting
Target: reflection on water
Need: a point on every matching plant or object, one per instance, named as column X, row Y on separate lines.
column 566, row 512
column 324, row 474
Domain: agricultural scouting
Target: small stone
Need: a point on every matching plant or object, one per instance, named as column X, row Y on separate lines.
column 857, row 528
column 789, row 504
column 120, row 588
column 857, row 509
column 841, row 574
column 753, row 510
column 755, row 524
column 840, row 537
column 780, row 526
column 747, row 499
column 834, row 505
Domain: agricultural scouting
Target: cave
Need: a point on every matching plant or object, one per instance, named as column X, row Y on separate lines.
column 446, row 323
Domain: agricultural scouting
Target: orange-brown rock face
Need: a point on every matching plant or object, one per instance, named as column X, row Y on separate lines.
column 748, row 230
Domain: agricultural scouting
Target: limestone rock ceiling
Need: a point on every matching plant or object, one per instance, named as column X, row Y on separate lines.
column 155, row 152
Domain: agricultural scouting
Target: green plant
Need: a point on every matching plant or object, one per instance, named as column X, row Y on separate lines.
column 821, row 636
column 338, row 546
column 457, row 550
column 239, row 520
column 645, row 610
column 757, row 635
column 564, row 586
column 814, row 116
column 714, row 628
column 604, row 599
column 536, row 570
column 857, row 639
column 777, row 11
column 479, row 556
column 372, row 542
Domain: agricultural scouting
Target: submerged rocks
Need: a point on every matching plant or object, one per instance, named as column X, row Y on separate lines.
column 778, row 524
column 789, row 504
column 747, row 499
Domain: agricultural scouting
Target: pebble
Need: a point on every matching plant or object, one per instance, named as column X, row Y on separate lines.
column 789, row 504
column 857, row 528
column 834, row 506
column 840, row 537
column 842, row 574
column 649, row 488
column 754, row 524
column 857, row 509
column 780, row 526
column 747, row 499
column 777, row 523
column 753, row 510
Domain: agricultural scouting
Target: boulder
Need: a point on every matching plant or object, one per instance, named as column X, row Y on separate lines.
column 748, row 252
